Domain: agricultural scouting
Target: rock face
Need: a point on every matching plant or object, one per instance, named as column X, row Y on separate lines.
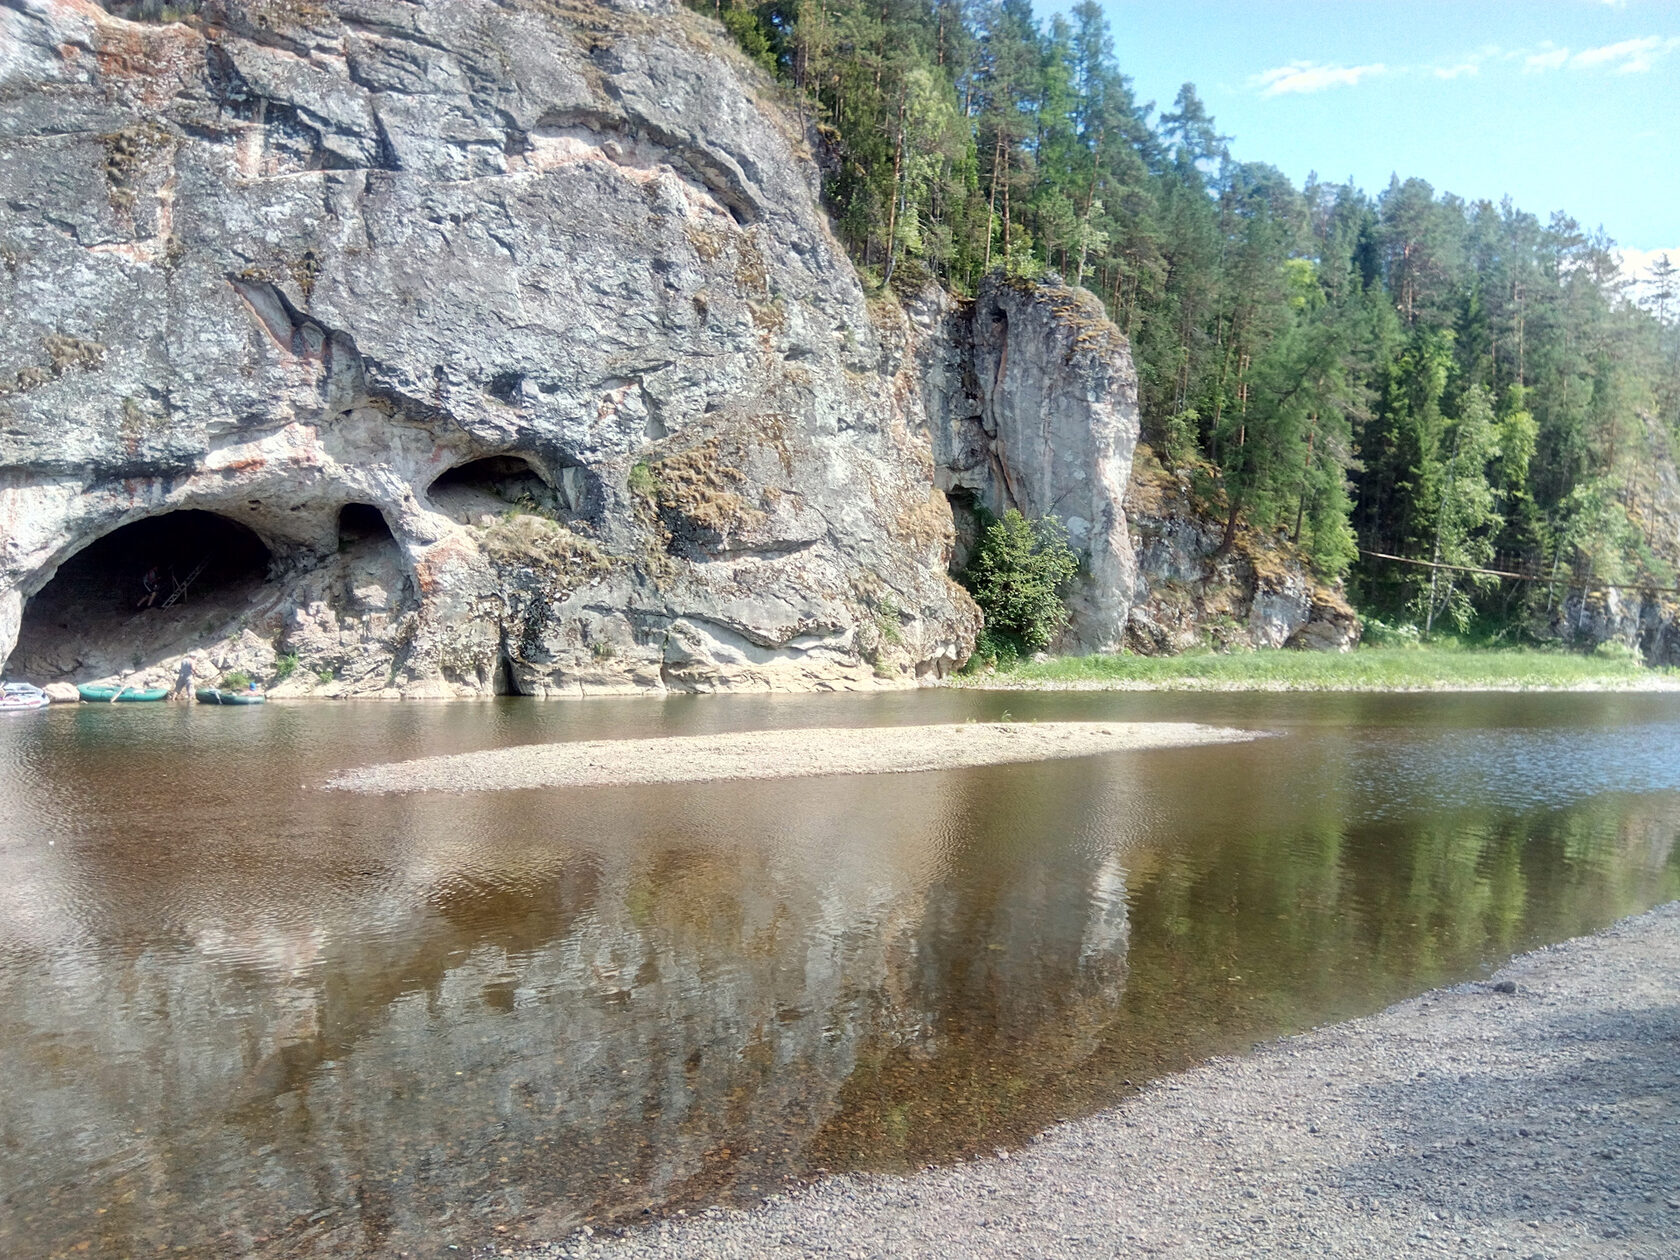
column 1643, row 622
column 1032, row 404
column 1646, row 621
column 1190, row 592
column 515, row 336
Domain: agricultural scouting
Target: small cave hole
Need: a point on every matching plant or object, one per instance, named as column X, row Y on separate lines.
column 362, row 523
column 506, row 680
column 965, row 516
column 493, row 485
column 146, row 591
column 508, row 387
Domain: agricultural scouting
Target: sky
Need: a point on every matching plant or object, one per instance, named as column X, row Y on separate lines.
column 1563, row 104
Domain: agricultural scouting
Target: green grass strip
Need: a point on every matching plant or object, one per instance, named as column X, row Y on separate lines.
column 1364, row 669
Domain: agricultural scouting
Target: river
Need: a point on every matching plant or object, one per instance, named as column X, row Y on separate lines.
column 240, row 1014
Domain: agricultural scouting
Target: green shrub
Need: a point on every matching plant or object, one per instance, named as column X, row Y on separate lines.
column 1017, row 575
column 236, row 681
column 1379, row 633
column 887, row 624
column 1622, row 653
column 748, row 29
column 285, row 667
column 993, row 651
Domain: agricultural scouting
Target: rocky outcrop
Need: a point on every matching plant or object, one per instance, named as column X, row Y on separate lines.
column 1641, row 617
column 443, row 349
column 1642, row 622
column 1032, row 404
column 545, row 289
column 1194, row 592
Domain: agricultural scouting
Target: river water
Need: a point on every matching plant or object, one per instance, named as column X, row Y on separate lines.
column 240, row 1014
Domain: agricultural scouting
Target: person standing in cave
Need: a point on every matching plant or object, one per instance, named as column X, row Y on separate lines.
column 149, row 580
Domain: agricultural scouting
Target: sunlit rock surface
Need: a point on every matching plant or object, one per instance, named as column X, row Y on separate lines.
column 1195, row 590
column 320, row 256
column 1032, row 404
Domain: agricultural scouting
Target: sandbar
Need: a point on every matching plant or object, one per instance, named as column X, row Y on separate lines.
column 776, row 754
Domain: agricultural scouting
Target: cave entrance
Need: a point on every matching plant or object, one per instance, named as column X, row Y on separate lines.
column 965, row 516
column 150, row 590
column 492, row 485
column 505, row 682
column 362, row 523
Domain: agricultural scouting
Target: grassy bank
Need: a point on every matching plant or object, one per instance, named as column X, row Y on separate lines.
column 1365, row 669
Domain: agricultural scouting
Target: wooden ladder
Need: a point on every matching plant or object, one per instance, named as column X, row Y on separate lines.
column 180, row 591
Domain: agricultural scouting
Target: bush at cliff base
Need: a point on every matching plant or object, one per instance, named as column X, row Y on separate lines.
column 1017, row 575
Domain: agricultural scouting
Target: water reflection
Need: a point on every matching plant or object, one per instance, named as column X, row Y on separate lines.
column 240, row 1014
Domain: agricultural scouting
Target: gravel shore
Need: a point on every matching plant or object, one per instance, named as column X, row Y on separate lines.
column 775, row 755
column 1536, row 1115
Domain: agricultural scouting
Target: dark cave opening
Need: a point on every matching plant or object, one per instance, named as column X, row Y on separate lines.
column 141, row 592
column 494, row 484
column 506, row 679
column 362, row 522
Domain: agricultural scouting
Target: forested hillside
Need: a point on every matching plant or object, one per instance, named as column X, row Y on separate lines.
column 1406, row 373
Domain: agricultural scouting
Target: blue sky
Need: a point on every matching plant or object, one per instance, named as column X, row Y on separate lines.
column 1563, row 104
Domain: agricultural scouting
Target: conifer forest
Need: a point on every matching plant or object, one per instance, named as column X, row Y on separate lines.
column 1398, row 372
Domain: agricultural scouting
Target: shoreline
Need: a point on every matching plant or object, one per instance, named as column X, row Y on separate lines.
column 1276, row 687
column 799, row 752
column 1535, row 1114
column 1005, row 683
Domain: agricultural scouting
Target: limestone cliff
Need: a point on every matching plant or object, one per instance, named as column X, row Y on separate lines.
column 441, row 348
column 1031, row 401
column 453, row 348
column 1194, row 591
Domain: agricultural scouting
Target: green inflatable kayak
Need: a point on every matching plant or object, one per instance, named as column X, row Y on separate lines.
column 122, row 695
column 217, row 695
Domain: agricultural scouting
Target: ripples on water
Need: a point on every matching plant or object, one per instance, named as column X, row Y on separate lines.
column 240, row 1014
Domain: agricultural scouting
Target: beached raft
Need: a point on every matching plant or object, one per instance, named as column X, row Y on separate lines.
column 220, row 695
column 105, row 694
column 22, row 698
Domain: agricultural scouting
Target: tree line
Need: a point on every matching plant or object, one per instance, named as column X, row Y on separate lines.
column 1407, row 373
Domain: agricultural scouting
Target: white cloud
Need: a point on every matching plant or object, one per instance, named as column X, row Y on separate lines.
column 1636, row 264
column 1625, row 56
column 1548, row 58
column 1628, row 56
column 1308, row 76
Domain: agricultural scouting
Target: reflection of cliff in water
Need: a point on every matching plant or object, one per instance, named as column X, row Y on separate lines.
column 544, row 1034
column 287, row 1022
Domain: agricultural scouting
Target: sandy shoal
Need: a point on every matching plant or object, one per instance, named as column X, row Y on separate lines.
column 775, row 755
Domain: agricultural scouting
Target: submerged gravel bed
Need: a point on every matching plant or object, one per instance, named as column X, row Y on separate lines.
column 775, row 755
column 1536, row 1115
